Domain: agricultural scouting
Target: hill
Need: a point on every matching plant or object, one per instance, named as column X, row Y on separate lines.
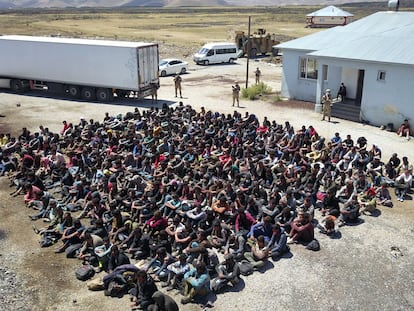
column 17, row 4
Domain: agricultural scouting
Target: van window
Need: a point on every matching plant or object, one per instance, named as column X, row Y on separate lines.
column 226, row 51
column 210, row 53
column 203, row 51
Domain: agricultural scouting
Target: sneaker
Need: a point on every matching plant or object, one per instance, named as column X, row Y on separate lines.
column 35, row 229
column 341, row 224
column 290, row 241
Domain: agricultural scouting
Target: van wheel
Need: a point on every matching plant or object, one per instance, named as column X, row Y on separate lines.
column 231, row 61
column 163, row 73
column 206, row 62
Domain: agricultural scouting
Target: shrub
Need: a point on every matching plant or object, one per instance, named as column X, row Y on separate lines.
column 258, row 89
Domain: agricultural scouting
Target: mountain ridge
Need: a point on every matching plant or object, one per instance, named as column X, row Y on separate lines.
column 21, row 4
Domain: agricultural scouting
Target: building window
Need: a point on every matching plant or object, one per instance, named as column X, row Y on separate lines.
column 325, row 72
column 381, row 75
column 308, row 68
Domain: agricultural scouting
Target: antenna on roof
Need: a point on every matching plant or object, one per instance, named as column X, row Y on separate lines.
column 393, row 5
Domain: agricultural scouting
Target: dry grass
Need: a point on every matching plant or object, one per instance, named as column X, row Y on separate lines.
column 186, row 26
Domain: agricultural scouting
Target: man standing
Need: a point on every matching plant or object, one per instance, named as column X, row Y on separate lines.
column 177, row 84
column 236, row 92
column 258, row 73
column 154, row 93
column 327, row 104
column 342, row 91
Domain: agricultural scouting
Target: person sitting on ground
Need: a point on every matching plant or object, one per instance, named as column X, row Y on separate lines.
column 159, row 264
column 330, row 204
column 141, row 294
column 117, row 258
column 368, row 201
column 197, row 283
column 137, row 244
column 403, row 184
column 156, row 223
column 71, row 236
column 277, row 243
column 302, row 230
column 350, row 211
column 383, row 195
column 176, row 271
column 263, row 228
column 259, row 253
column 404, row 129
column 227, row 272
column 87, row 251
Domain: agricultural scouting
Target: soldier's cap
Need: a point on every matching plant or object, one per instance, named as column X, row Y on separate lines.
column 236, row 82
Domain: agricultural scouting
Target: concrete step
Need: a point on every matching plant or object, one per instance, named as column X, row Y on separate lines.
column 346, row 110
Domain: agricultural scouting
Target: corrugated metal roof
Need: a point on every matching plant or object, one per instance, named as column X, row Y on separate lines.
column 330, row 11
column 381, row 37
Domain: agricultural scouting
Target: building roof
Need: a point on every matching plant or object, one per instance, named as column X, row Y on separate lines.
column 385, row 37
column 330, row 11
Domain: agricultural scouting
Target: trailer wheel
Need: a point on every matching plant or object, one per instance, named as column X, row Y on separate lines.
column 16, row 86
column 103, row 95
column 73, row 91
column 163, row 73
column 88, row 93
column 206, row 62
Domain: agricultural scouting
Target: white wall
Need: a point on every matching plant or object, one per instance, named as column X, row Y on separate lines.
column 389, row 101
column 294, row 87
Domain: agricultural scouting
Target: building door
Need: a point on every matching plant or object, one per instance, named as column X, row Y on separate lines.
column 360, row 87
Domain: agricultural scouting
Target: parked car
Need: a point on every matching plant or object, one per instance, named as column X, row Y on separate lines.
column 170, row 66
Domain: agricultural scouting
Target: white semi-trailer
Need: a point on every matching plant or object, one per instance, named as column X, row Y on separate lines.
column 80, row 68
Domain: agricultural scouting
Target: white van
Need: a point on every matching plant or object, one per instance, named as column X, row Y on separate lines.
column 214, row 53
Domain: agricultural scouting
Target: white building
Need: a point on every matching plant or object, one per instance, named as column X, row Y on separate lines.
column 373, row 56
column 329, row 16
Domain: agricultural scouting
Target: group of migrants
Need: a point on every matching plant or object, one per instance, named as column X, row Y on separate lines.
column 173, row 190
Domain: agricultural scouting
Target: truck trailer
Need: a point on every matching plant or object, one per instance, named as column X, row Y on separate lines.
column 80, row 68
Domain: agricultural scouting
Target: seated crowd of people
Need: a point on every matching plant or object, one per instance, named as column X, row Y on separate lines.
column 175, row 189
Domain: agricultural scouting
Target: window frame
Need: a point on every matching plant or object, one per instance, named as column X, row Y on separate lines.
column 305, row 72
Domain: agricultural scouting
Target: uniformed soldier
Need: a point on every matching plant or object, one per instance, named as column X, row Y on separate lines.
column 327, row 104
column 236, row 93
column 177, row 84
column 258, row 73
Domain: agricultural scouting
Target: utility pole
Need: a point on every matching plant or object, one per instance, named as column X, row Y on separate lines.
column 248, row 54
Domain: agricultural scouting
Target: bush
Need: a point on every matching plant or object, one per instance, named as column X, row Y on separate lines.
column 258, row 89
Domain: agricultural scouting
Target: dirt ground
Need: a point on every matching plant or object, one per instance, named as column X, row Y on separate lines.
column 355, row 271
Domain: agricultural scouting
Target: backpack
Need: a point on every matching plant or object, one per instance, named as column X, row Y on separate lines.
column 313, row 245
column 72, row 250
column 246, row 268
column 85, row 272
